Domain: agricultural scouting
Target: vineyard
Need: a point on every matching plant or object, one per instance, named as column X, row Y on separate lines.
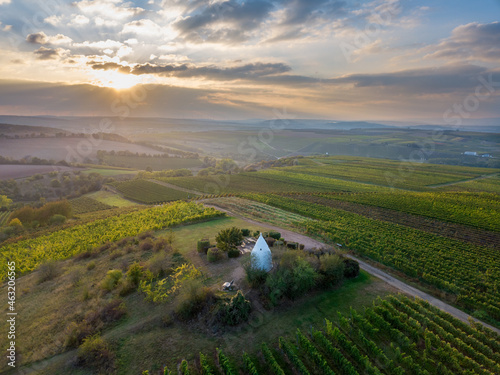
column 395, row 336
column 3, row 217
column 469, row 272
column 155, row 163
column 405, row 175
column 83, row 205
column 145, row 191
column 480, row 210
column 63, row 244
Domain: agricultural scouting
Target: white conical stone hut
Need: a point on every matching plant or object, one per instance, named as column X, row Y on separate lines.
column 261, row 255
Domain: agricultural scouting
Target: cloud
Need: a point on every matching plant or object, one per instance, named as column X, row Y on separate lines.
column 474, row 41
column 242, row 72
column 108, row 9
column 43, row 53
column 99, row 45
column 4, row 2
column 53, row 20
column 224, row 21
column 298, row 12
column 37, row 38
column 79, row 20
column 143, row 27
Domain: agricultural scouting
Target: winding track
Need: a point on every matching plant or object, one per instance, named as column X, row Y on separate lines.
column 310, row 243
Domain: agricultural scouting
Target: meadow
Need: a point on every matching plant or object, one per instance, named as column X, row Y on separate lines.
column 155, row 163
column 149, row 192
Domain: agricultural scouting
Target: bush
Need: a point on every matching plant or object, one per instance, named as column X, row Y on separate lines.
column 90, row 266
column 48, row 271
column 160, row 264
column 245, row 232
column 192, row 298
column 203, row 246
column 233, row 253
column 275, row 235
column 279, row 243
column 146, row 245
column 135, row 273
column 57, row 219
column 270, row 241
column 111, row 280
column 255, row 277
column 256, row 233
column 16, row 223
column 351, row 268
column 162, row 244
column 236, row 310
column 292, row 245
column 332, row 269
column 214, row 254
column 228, row 239
column 95, row 352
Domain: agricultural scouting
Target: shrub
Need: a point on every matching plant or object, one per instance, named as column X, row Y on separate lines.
column 146, row 245
column 144, row 235
column 48, row 271
column 135, row 273
column 15, row 223
column 160, row 264
column 256, row 233
column 57, row 219
column 270, row 241
column 203, row 246
column 279, row 243
column 233, row 253
column 115, row 254
column 111, row 280
column 75, row 276
column 90, row 266
column 162, row 244
column 236, row 310
column 292, row 245
column 301, row 246
column 351, row 268
column 229, row 238
column 245, row 232
column 255, row 277
column 275, row 235
column 112, row 311
column 332, row 269
column 214, row 254
column 192, row 298
column 95, row 352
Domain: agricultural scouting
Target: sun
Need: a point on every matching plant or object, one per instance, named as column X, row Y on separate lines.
column 117, row 80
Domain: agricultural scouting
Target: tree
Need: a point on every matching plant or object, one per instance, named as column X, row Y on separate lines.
column 229, row 239
column 4, row 201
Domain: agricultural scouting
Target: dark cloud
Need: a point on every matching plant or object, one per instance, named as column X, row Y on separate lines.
column 473, row 41
column 446, row 79
column 37, row 38
column 201, row 24
column 43, row 53
column 247, row 71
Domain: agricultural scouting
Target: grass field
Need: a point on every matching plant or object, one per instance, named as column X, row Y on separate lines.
column 83, row 205
column 157, row 164
column 109, row 172
column 110, row 198
column 145, row 191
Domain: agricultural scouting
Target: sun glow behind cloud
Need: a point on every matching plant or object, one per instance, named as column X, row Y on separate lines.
column 116, row 80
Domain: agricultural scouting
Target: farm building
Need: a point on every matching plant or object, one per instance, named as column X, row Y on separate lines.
column 261, row 255
column 470, row 153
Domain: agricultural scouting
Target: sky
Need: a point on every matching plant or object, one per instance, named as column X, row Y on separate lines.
column 428, row 61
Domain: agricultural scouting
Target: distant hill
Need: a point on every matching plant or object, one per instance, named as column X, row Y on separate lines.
column 324, row 124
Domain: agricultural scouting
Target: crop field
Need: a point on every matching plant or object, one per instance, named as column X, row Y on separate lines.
column 460, row 232
column 157, row 164
column 269, row 181
column 65, row 243
column 405, row 175
column 481, row 210
column 488, row 185
column 259, row 211
column 57, row 149
column 83, row 205
column 397, row 335
column 3, row 217
column 109, row 172
column 8, row 171
column 469, row 272
column 149, row 192
column 110, row 198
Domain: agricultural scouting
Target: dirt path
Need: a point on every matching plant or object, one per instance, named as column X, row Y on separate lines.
column 403, row 287
column 462, row 181
column 175, row 187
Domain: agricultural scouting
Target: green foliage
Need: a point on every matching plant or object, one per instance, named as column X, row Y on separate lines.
column 145, row 191
column 233, row 253
column 83, row 205
column 15, row 223
column 203, row 246
column 275, row 235
column 228, row 239
column 184, row 368
column 5, row 201
column 43, row 214
column 135, row 273
column 65, row 243
column 255, row 277
column 95, row 352
column 111, row 280
column 214, row 254
column 57, row 219
column 225, row 364
column 245, row 232
column 237, row 310
column 332, row 268
column 351, row 268
column 193, row 297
